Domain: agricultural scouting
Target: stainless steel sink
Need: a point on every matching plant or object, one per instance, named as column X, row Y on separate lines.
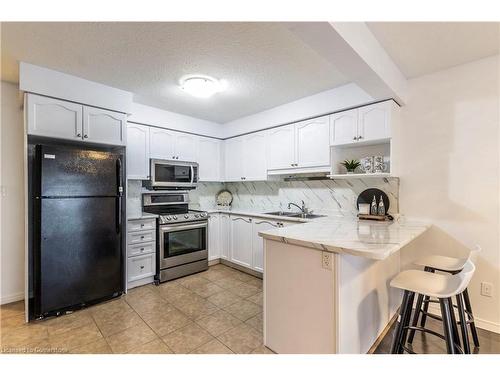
column 294, row 214
column 281, row 213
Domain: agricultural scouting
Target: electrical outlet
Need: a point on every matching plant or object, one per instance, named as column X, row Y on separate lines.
column 486, row 289
column 326, row 260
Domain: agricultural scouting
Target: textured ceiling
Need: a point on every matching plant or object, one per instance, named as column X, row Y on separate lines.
column 425, row 47
column 264, row 64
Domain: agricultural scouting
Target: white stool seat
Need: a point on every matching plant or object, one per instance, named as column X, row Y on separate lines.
column 443, row 263
column 434, row 285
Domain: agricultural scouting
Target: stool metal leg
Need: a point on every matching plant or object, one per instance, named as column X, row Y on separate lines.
column 447, row 328
column 454, row 325
column 472, row 324
column 463, row 324
column 402, row 314
column 418, row 307
column 406, row 322
column 426, row 302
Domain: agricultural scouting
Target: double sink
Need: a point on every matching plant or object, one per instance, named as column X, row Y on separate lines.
column 294, row 214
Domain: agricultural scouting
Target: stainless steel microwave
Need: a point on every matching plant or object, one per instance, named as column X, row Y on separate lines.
column 170, row 174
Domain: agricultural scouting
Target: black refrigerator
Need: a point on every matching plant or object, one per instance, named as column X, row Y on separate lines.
column 77, row 213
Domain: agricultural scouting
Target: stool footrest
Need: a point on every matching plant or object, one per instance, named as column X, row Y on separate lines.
column 426, row 330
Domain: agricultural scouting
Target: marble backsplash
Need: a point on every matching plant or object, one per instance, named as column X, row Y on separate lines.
column 332, row 197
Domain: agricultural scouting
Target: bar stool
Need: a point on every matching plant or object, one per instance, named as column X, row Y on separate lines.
column 442, row 287
column 446, row 264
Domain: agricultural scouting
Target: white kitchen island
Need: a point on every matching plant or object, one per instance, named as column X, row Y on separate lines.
column 326, row 283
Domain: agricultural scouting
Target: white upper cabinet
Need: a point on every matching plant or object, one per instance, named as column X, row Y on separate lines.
column 185, row 147
column 137, row 151
column 161, row 144
column 301, row 145
column 374, row 121
column 234, row 159
column 313, row 148
column 209, row 159
column 170, row 145
column 54, row 118
column 254, row 157
column 344, row 127
column 370, row 124
column 102, row 126
column 280, row 147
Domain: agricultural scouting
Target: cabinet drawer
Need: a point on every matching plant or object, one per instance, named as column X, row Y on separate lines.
column 140, row 249
column 143, row 224
column 140, row 267
column 142, row 236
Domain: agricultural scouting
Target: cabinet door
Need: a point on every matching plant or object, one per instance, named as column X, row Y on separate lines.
column 241, row 240
column 254, row 157
column 137, row 152
column 213, row 237
column 185, row 147
column 313, row 145
column 374, row 121
column 225, row 236
column 280, row 145
column 161, row 144
column 209, row 159
column 233, row 159
column 344, row 127
column 106, row 127
column 54, row 118
column 258, row 242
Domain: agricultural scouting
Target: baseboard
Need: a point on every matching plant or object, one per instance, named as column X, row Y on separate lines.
column 213, row 262
column 11, row 298
column 480, row 323
column 382, row 334
column 241, row 268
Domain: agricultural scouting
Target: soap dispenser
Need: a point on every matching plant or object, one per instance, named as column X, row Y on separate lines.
column 373, row 208
column 381, row 207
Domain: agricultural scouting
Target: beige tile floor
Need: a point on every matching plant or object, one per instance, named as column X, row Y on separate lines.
column 218, row 311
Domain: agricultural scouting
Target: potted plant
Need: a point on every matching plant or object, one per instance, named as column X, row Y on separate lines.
column 350, row 165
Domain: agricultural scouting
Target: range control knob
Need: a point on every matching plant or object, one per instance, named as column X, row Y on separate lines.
column 186, row 216
column 168, row 218
column 174, row 217
column 196, row 216
column 203, row 214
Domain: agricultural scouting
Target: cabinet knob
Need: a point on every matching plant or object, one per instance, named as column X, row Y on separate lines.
column 85, row 136
column 142, row 237
column 142, row 249
column 79, row 135
column 142, row 267
column 355, row 138
column 142, row 225
column 360, row 137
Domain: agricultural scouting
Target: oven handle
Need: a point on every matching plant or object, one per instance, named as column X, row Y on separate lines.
column 176, row 228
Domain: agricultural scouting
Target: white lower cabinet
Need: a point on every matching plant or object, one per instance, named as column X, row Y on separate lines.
column 241, row 240
column 258, row 243
column 141, row 252
column 225, row 235
column 214, row 243
column 236, row 238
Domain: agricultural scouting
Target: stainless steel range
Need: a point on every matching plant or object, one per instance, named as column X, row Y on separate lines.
column 182, row 246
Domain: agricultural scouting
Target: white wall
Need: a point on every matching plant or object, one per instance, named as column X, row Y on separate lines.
column 315, row 105
column 449, row 159
column 144, row 114
column 12, row 199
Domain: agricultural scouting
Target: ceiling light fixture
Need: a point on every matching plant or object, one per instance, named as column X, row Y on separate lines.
column 201, row 86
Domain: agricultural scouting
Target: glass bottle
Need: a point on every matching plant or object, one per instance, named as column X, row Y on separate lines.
column 373, row 208
column 381, row 207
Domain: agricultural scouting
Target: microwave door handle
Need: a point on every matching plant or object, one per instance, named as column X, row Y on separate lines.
column 192, row 175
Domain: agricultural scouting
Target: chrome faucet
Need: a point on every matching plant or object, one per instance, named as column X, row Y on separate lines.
column 304, row 209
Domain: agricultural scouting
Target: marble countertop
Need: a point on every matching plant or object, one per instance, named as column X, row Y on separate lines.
column 373, row 240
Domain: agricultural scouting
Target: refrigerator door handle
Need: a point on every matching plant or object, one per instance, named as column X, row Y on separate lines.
column 119, row 195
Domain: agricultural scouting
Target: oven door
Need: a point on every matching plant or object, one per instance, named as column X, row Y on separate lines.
column 170, row 174
column 183, row 243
